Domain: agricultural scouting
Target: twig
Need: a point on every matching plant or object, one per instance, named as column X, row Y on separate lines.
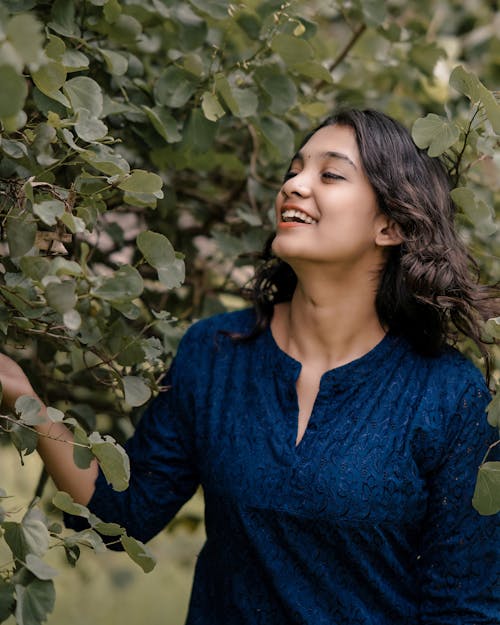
column 43, row 435
column 354, row 38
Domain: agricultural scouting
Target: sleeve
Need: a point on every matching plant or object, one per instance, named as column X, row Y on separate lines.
column 163, row 473
column 460, row 549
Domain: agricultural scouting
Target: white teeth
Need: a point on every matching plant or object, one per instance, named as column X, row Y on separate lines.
column 292, row 214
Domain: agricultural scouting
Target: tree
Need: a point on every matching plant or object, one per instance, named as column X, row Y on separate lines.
column 134, row 129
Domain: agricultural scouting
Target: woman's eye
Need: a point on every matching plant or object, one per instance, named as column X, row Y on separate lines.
column 288, row 175
column 331, row 176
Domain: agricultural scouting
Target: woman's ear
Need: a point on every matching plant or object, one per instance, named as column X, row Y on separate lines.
column 388, row 232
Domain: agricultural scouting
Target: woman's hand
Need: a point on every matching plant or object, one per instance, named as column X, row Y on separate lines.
column 14, row 382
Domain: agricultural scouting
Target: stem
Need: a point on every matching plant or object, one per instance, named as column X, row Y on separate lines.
column 492, row 446
column 354, row 38
column 32, row 429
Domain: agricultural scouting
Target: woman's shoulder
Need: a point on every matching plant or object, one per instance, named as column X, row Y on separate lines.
column 211, row 331
column 449, row 375
column 235, row 322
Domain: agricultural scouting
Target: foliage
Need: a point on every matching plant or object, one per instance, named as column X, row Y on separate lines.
column 134, row 129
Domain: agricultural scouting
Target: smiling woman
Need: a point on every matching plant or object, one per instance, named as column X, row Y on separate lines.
column 334, row 429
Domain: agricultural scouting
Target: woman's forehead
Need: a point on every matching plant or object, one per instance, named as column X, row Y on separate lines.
column 331, row 142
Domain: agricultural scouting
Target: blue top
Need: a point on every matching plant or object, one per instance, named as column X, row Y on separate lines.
column 368, row 521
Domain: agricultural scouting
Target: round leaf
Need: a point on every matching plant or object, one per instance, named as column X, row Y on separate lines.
column 13, row 92
column 84, row 93
column 34, row 602
column 113, row 460
column 140, row 181
column 139, row 553
column 50, row 77
column 125, row 284
column 136, row 390
column 211, row 106
column 436, row 133
column 156, row 249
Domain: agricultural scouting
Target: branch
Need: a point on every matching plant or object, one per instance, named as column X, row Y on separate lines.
column 33, row 429
column 354, row 38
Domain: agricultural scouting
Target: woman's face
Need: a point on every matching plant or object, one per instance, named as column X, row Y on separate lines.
column 327, row 210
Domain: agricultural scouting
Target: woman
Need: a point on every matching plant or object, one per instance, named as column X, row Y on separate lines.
column 336, row 435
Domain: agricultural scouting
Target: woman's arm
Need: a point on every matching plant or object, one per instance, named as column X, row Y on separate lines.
column 460, row 552
column 54, row 441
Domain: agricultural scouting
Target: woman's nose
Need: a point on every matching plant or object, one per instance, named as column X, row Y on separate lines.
column 296, row 185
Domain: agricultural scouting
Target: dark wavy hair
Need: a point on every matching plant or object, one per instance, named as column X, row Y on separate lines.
column 429, row 287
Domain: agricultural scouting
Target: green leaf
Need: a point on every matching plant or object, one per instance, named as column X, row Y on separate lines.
column 74, row 60
column 279, row 137
column 125, row 284
column 63, row 501
column 63, row 18
column 35, row 267
column 156, row 249
column 486, row 499
column 29, row 536
column 55, row 48
column 159, row 253
column 39, row 568
column 34, row 602
column 82, row 455
column 200, row 133
column 291, row 49
column 173, row 275
column 74, row 224
column 426, row 55
column 436, row 133
column 246, row 100
column 106, row 529
column 174, row 87
column 211, row 106
column 13, row 92
column 49, row 211
column 24, row 440
column 140, row 181
column 113, row 460
column 89, row 128
column 136, row 391
column 494, row 411
column 24, row 32
column 7, row 600
column 104, row 159
column 28, row 410
column 217, row 9
column 116, row 63
column 50, row 78
column 139, row 553
column 112, row 10
column 125, row 29
column 478, row 212
column 87, row 537
column 61, row 296
column 224, row 88
column 466, row 82
column 164, row 123
column 279, row 87
column 21, row 236
column 493, row 328
column 84, row 93
column 374, row 11
column 313, row 69
column 492, row 108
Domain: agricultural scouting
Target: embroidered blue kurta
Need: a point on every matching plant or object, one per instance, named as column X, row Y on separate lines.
column 367, row 521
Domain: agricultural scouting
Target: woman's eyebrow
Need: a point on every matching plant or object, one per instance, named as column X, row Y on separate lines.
column 339, row 155
column 299, row 156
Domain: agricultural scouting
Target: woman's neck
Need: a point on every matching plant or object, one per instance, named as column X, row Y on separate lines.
column 328, row 323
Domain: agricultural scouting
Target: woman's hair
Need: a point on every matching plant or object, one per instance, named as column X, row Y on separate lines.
column 429, row 280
